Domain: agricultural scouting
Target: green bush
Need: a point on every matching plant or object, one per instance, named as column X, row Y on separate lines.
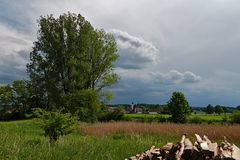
column 55, row 123
column 179, row 107
column 162, row 119
column 236, row 117
column 85, row 104
column 196, row 120
column 116, row 115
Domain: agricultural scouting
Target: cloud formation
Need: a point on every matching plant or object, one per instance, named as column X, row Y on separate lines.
column 14, row 51
column 200, row 36
column 135, row 52
column 175, row 77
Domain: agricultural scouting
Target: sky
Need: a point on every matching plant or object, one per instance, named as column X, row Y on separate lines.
column 164, row 45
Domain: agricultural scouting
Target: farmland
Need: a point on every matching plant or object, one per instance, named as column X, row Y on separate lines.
column 25, row 140
column 203, row 118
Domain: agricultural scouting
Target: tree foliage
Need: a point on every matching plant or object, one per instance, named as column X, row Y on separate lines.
column 84, row 103
column 6, row 96
column 236, row 116
column 68, row 56
column 179, row 107
column 218, row 109
column 14, row 99
column 56, row 124
column 14, row 95
column 209, row 109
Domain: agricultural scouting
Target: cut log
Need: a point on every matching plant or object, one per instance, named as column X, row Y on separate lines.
column 199, row 139
column 236, row 152
column 227, row 154
column 188, row 147
column 188, row 144
column 213, row 149
column 166, row 150
column 203, row 149
column 167, row 147
column 196, row 155
column 204, row 146
column 207, row 140
column 180, row 152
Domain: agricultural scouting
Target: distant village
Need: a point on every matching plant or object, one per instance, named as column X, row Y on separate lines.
column 143, row 108
column 140, row 108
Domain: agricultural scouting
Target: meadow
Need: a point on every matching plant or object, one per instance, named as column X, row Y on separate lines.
column 194, row 118
column 24, row 140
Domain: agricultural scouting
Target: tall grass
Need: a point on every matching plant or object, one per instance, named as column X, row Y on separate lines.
column 215, row 132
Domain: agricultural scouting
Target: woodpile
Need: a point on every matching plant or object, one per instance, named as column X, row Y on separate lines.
column 202, row 149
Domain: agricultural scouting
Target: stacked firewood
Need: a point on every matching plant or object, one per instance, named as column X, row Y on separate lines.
column 203, row 149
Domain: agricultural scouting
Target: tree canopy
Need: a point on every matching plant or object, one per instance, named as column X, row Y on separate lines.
column 218, row 109
column 179, row 107
column 209, row 109
column 68, row 56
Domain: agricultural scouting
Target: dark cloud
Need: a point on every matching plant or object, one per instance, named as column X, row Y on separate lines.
column 135, row 52
column 198, row 36
column 14, row 54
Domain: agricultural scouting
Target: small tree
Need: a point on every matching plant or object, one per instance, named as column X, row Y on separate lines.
column 218, row 109
column 179, row 107
column 236, row 117
column 55, row 123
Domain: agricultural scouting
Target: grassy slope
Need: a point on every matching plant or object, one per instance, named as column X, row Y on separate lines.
column 24, row 140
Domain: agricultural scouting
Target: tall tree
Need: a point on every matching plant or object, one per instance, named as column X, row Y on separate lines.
column 179, row 107
column 209, row 109
column 70, row 55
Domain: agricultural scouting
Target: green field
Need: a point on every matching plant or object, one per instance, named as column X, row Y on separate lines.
column 205, row 118
column 23, row 140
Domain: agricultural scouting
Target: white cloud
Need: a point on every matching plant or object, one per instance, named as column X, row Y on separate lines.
column 175, row 77
column 14, row 50
column 135, row 52
column 12, row 41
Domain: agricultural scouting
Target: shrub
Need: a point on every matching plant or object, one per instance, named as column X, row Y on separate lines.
column 116, row 115
column 196, row 120
column 179, row 107
column 162, row 119
column 236, row 117
column 55, row 123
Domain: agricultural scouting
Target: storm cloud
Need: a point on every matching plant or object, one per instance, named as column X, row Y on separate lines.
column 135, row 52
column 164, row 46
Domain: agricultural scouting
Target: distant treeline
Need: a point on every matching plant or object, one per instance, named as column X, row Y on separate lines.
column 163, row 109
